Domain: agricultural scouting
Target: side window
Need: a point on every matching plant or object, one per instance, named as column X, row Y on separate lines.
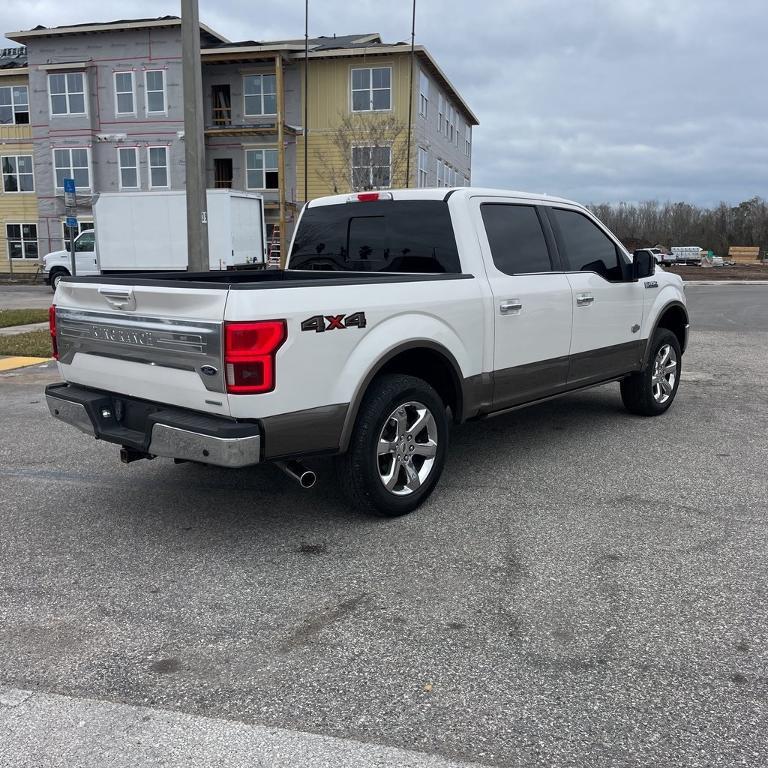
column 85, row 242
column 516, row 238
column 587, row 248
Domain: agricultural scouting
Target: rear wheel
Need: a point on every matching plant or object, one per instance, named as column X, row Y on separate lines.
column 651, row 391
column 398, row 447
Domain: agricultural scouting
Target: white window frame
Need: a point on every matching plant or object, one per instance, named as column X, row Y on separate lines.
column 439, row 173
column 370, row 167
column 371, row 89
column 80, row 229
column 167, row 166
column 440, row 113
column 3, row 190
column 261, row 76
column 71, row 174
column 422, row 170
column 132, row 91
column 165, row 92
column 12, row 105
column 423, row 94
column 22, row 224
column 67, row 93
column 264, row 168
column 120, row 184
column 468, row 141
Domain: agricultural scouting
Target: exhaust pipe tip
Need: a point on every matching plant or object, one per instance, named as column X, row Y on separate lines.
column 305, row 477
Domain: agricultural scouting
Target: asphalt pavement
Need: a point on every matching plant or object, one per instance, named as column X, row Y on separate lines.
column 25, row 296
column 585, row 588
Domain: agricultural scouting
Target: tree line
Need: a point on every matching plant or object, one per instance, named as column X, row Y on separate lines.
column 717, row 229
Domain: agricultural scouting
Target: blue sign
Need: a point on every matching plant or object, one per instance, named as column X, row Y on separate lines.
column 71, row 222
column 69, row 186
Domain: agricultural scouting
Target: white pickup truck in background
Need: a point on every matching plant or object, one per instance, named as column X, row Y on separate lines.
column 399, row 312
column 147, row 232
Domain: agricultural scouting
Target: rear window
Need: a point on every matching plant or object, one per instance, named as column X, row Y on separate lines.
column 377, row 236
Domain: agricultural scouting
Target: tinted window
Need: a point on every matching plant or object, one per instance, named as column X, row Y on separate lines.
column 586, row 246
column 377, row 236
column 516, row 238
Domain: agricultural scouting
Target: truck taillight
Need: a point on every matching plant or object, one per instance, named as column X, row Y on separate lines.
column 52, row 326
column 249, row 355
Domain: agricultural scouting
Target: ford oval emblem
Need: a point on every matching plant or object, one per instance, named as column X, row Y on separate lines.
column 208, row 370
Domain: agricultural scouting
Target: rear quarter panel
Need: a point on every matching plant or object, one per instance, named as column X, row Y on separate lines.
column 324, row 368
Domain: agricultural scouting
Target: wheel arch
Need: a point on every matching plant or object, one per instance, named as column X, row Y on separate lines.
column 674, row 317
column 423, row 358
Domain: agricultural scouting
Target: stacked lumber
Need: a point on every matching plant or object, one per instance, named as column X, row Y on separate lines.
column 744, row 254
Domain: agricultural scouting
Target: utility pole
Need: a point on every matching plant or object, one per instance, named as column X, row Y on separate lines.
column 410, row 100
column 194, row 143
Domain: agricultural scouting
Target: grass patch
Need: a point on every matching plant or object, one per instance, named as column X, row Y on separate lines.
column 30, row 344
column 9, row 317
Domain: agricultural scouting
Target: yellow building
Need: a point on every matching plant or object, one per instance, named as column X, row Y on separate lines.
column 18, row 200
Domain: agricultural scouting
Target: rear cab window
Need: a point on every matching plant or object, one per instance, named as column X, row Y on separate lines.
column 412, row 236
column 516, row 238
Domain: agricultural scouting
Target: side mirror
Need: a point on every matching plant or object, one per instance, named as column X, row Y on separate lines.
column 643, row 265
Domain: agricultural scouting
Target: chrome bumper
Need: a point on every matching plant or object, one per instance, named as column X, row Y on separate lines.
column 161, row 439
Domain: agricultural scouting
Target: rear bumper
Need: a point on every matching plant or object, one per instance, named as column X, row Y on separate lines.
column 156, row 430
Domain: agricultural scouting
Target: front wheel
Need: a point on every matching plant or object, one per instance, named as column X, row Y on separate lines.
column 398, row 447
column 651, row 391
column 56, row 276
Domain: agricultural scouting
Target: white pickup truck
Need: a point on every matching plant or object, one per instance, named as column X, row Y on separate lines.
column 399, row 312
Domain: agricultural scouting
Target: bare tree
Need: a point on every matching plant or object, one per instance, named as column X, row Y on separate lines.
column 368, row 151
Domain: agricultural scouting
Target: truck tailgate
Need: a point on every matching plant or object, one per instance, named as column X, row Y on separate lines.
column 159, row 343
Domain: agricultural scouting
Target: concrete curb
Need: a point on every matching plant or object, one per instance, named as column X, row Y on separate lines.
column 13, row 330
column 725, row 282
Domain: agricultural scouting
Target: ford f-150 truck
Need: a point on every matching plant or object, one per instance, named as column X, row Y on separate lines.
column 399, row 312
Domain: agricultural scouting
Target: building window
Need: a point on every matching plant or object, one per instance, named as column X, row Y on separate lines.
column 440, row 179
column 423, row 94
column 468, row 141
column 67, row 92
column 260, row 94
column 450, row 124
column 128, row 163
column 371, row 89
column 221, row 104
column 18, row 175
column 158, row 167
column 421, row 173
column 261, row 169
column 125, row 103
column 440, row 114
column 154, row 81
column 14, row 105
column 222, row 173
column 82, row 226
column 22, row 241
column 74, row 164
column 371, row 167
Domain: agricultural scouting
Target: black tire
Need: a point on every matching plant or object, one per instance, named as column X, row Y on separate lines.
column 359, row 470
column 637, row 390
column 56, row 275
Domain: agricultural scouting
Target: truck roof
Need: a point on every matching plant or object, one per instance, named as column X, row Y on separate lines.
column 443, row 193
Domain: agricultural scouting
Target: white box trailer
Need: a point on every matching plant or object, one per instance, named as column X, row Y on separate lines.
column 147, row 231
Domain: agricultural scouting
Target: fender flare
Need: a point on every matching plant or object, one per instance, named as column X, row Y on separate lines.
column 661, row 313
column 375, row 369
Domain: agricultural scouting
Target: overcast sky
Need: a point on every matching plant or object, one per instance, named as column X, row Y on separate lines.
column 596, row 100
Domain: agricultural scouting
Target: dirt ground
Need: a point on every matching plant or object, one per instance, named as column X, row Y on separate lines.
column 737, row 272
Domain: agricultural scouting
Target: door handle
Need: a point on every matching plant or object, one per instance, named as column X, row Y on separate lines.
column 510, row 307
column 584, row 299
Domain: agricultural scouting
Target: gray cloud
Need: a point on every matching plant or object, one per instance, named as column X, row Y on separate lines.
column 600, row 100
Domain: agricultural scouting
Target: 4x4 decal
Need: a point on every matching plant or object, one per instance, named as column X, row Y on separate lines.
column 320, row 323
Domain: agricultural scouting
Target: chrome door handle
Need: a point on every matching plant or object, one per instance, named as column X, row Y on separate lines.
column 584, row 299
column 511, row 307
